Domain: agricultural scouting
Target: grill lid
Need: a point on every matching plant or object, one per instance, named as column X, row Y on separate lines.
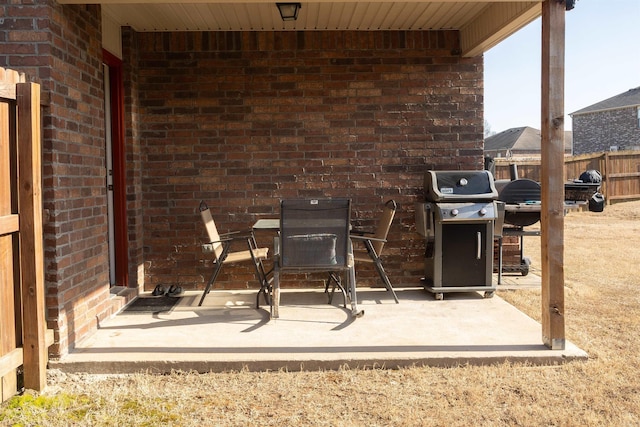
column 518, row 191
column 522, row 198
column 467, row 186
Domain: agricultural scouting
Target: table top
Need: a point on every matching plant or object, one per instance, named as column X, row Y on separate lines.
column 267, row 224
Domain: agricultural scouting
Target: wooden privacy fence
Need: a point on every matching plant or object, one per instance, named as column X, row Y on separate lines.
column 23, row 335
column 620, row 171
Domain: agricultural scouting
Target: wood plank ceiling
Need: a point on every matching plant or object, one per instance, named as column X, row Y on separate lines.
column 482, row 23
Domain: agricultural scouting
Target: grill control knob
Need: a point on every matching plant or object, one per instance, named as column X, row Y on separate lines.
column 454, row 212
column 482, row 212
column 463, row 182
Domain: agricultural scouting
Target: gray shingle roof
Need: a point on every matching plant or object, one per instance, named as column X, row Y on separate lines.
column 630, row 98
column 524, row 139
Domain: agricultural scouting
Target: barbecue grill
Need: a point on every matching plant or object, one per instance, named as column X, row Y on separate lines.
column 585, row 189
column 522, row 199
column 457, row 221
column 522, row 209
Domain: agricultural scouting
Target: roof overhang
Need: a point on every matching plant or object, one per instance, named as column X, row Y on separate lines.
column 482, row 24
column 602, row 110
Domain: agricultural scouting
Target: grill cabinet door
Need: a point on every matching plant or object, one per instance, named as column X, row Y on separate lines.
column 461, row 245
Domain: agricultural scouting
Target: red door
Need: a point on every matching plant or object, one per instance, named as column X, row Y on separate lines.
column 116, row 182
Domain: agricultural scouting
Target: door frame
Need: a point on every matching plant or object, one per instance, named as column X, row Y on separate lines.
column 116, row 87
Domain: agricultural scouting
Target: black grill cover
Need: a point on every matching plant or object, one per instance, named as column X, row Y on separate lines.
column 592, row 176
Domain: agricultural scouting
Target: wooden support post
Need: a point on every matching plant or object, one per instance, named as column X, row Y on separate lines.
column 552, row 177
column 31, row 244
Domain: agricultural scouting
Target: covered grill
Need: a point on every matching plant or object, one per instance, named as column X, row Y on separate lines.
column 521, row 198
column 522, row 201
column 457, row 221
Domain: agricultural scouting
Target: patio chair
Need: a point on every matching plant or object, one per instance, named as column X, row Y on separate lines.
column 314, row 237
column 220, row 246
column 373, row 245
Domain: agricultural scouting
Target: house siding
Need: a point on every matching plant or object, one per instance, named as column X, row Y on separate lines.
column 598, row 131
column 243, row 119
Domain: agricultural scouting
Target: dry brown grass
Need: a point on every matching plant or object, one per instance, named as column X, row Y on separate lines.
column 602, row 252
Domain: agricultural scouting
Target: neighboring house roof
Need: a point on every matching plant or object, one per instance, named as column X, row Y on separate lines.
column 522, row 139
column 630, row 98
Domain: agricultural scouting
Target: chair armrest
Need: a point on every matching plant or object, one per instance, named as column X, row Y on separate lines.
column 359, row 231
column 226, row 240
column 230, row 233
column 363, row 238
column 236, row 235
column 217, row 241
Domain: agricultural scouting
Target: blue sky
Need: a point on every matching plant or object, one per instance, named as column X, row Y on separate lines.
column 602, row 59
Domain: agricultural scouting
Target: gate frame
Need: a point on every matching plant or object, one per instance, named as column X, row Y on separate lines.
column 32, row 339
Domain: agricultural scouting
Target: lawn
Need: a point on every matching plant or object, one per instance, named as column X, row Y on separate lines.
column 602, row 253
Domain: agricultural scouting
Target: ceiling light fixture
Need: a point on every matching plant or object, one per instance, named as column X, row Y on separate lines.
column 289, row 11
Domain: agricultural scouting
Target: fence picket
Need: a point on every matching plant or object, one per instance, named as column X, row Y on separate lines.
column 620, row 171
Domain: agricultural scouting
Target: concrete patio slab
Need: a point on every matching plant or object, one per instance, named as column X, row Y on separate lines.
column 228, row 333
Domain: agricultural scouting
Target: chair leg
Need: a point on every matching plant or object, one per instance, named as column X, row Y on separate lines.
column 265, row 285
column 261, row 275
column 275, row 297
column 337, row 282
column 385, row 279
column 212, row 279
column 326, row 285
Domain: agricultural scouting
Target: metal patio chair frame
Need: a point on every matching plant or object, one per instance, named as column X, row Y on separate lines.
column 314, row 237
column 374, row 244
column 220, row 246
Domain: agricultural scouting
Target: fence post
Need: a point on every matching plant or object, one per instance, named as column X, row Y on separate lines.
column 605, row 173
column 31, row 244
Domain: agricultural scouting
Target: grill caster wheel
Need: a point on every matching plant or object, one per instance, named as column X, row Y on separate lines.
column 439, row 296
column 489, row 294
column 524, row 268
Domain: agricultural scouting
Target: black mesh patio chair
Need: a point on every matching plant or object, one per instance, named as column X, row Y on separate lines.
column 314, row 237
column 373, row 243
column 220, row 246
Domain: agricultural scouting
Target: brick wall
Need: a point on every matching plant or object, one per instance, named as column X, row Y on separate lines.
column 598, row 131
column 241, row 120
column 60, row 47
column 133, row 154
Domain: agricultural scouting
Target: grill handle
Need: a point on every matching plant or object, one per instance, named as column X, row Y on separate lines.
column 479, row 245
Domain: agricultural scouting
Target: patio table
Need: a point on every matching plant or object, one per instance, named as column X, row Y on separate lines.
column 271, row 224
column 267, row 224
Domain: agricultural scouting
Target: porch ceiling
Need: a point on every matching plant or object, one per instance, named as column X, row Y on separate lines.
column 482, row 24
